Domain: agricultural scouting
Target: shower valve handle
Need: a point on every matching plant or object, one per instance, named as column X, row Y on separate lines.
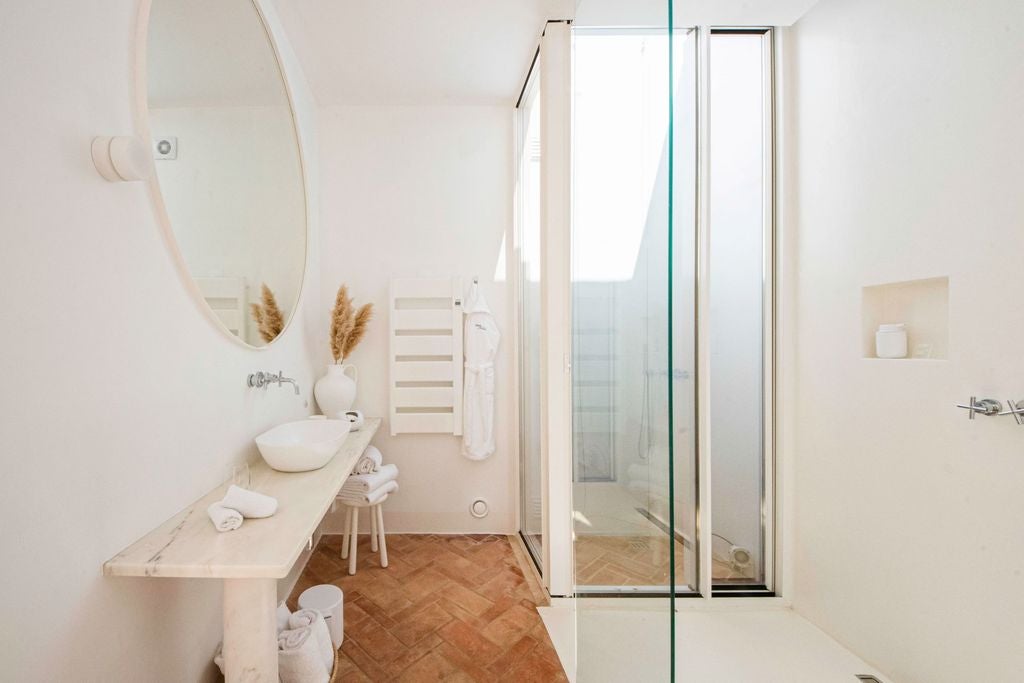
column 1015, row 408
column 986, row 406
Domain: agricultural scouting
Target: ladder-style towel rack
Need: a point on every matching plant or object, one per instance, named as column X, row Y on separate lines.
column 425, row 320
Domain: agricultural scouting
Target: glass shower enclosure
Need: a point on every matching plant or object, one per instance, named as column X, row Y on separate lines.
column 671, row 287
column 669, row 280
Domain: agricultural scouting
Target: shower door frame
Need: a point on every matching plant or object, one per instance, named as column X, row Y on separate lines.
column 552, row 66
column 770, row 505
column 556, row 376
column 529, row 93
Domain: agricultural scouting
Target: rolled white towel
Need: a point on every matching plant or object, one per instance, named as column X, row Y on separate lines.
column 368, row 482
column 249, row 503
column 224, row 518
column 370, row 461
column 283, row 614
column 299, row 659
column 313, row 619
column 371, row 498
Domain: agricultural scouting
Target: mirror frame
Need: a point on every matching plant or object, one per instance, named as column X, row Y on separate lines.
column 163, row 217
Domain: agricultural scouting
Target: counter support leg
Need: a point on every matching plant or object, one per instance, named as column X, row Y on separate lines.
column 250, row 631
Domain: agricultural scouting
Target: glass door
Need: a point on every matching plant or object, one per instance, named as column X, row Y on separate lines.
column 739, row 315
column 528, row 243
column 633, row 346
column 633, row 389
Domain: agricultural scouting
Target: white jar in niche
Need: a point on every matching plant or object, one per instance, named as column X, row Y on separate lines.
column 891, row 341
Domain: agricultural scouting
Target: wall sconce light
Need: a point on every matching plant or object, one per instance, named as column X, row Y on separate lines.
column 121, row 158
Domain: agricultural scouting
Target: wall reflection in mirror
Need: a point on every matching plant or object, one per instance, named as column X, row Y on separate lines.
column 227, row 161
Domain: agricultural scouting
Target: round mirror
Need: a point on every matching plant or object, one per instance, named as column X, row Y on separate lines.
column 227, row 159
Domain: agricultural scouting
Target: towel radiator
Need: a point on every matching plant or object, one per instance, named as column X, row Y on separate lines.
column 425, row 337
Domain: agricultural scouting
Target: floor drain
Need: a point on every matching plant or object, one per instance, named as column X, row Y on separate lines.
column 867, row 678
column 637, row 545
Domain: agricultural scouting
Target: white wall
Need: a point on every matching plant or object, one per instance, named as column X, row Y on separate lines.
column 423, row 191
column 121, row 401
column 906, row 139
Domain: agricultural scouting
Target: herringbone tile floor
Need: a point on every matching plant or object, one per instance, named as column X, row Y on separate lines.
column 447, row 608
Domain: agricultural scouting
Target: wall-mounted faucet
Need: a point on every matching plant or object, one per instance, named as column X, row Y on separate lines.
column 260, row 380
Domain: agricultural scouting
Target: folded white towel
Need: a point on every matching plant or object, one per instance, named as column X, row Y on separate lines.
column 299, row 659
column 313, row 619
column 218, row 658
column 249, row 503
column 362, row 483
column 283, row 614
column 370, row 461
column 371, row 498
column 224, row 518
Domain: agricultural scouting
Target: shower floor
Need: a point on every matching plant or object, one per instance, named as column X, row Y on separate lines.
column 599, row 640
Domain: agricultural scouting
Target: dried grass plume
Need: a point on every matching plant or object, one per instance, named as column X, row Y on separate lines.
column 348, row 326
column 268, row 317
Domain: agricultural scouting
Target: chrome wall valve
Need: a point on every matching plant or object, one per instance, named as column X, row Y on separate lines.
column 1015, row 408
column 986, row 406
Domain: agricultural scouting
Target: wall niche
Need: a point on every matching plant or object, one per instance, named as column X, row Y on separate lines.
column 922, row 305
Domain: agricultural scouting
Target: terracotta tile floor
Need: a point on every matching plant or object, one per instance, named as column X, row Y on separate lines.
column 634, row 561
column 447, row 608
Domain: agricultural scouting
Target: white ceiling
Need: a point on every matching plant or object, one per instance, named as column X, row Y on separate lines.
column 467, row 51
column 415, row 51
column 691, row 12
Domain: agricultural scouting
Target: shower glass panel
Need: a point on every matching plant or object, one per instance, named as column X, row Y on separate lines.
column 633, row 325
column 740, row 258
column 627, row 537
column 671, row 178
column 528, row 222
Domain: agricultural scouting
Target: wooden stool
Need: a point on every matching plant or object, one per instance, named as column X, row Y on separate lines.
column 351, row 535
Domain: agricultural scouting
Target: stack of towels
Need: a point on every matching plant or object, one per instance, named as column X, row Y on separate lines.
column 305, row 653
column 371, row 480
column 238, row 504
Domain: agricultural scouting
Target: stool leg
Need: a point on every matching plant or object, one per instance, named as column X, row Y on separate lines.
column 355, row 539
column 345, row 532
column 373, row 528
column 380, row 530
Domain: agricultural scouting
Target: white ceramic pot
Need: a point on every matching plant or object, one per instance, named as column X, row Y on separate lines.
column 336, row 391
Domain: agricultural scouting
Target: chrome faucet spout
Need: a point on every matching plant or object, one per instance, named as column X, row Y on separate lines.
column 281, row 378
column 295, row 385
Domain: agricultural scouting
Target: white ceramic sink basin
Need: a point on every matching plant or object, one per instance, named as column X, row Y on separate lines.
column 302, row 445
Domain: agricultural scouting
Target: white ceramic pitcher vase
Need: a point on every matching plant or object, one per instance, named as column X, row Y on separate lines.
column 336, row 391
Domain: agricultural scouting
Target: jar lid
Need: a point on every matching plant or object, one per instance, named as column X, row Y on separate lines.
column 891, row 327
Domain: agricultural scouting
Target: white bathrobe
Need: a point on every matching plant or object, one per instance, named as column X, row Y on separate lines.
column 480, row 344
